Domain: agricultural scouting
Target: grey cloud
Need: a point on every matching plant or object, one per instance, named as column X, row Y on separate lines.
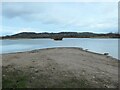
column 12, row 10
column 28, row 12
column 15, row 13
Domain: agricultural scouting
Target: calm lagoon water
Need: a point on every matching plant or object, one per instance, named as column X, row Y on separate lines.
column 94, row 45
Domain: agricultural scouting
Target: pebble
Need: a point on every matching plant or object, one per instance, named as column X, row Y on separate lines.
column 33, row 61
column 93, row 76
column 65, row 75
column 106, row 86
column 3, row 75
column 31, row 67
column 30, row 81
column 86, row 49
column 33, row 77
column 106, row 53
column 83, row 73
column 96, row 82
column 53, row 68
column 36, row 70
column 103, row 72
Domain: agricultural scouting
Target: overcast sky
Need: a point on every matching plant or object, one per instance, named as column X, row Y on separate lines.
column 59, row 17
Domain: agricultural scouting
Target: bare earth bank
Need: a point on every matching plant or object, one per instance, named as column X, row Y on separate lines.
column 59, row 67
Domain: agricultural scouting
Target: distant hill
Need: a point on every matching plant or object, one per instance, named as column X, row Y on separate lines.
column 61, row 35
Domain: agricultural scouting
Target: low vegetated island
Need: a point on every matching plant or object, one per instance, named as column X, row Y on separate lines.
column 61, row 35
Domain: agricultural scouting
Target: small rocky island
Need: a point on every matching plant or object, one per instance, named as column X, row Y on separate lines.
column 57, row 38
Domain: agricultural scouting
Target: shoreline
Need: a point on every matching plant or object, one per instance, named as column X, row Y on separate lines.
column 63, row 38
column 86, row 50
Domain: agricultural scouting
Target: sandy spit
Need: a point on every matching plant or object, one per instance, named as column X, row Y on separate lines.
column 60, row 67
